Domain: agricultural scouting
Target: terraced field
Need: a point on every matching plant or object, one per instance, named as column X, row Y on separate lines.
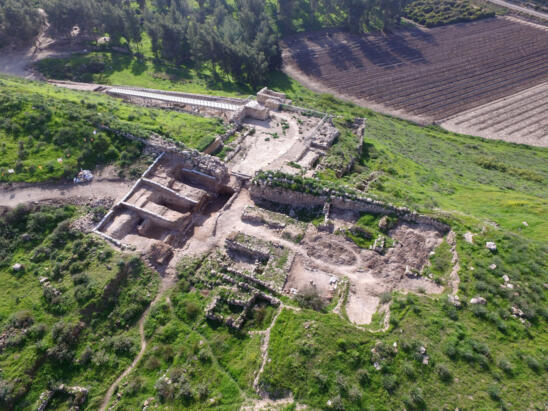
column 424, row 75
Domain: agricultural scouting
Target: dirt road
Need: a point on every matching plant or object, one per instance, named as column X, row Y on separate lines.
column 18, row 62
column 521, row 9
column 62, row 191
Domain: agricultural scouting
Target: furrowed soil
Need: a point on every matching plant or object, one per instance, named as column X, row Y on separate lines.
column 426, row 75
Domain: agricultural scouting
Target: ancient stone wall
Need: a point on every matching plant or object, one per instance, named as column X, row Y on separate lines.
column 263, row 191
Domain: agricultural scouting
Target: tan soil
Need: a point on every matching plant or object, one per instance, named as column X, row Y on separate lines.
column 318, row 87
column 263, row 151
column 115, row 190
column 520, row 118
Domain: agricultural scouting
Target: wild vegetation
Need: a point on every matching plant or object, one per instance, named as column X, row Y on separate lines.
column 71, row 303
column 20, row 22
column 432, row 13
column 69, row 306
column 47, row 133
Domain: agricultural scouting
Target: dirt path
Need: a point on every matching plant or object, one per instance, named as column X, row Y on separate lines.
column 11, row 197
column 521, row 9
column 19, row 62
column 169, row 279
column 264, row 348
column 110, row 391
column 454, row 279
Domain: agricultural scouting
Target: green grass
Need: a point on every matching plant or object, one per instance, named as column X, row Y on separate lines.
column 208, row 365
column 479, row 356
column 468, row 351
column 95, row 318
column 123, row 69
column 42, row 123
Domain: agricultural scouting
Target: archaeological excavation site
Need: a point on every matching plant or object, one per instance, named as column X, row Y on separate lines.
column 253, row 205
column 258, row 222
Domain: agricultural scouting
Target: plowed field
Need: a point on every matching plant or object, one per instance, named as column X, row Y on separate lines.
column 426, row 75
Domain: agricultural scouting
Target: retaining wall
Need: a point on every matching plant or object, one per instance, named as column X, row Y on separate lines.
column 262, row 191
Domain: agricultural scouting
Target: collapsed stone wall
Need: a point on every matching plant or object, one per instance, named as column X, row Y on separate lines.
column 256, row 253
column 271, row 99
column 78, row 394
column 206, row 164
column 325, row 134
column 263, row 190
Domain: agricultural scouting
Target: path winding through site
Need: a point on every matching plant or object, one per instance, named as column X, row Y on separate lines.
column 454, row 276
column 63, row 191
column 168, row 281
column 264, row 348
column 136, row 360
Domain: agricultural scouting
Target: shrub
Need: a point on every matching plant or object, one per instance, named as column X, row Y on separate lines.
column 390, row 383
column 363, row 376
column 86, row 356
column 479, row 311
column 321, row 379
column 185, row 392
column 417, row 397
column 204, row 355
column 385, row 298
column 83, row 293
column 192, row 310
column 152, row 363
column 336, row 403
column 444, row 373
column 164, row 389
column 355, row 395
column 21, row 319
column 80, row 279
column 202, row 391
column 37, row 331
column 122, row 345
column 6, row 392
column 341, row 382
column 532, row 363
column 506, row 366
column 310, row 298
column 101, row 359
column 494, row 392
column 409, row 370
column 134, row 386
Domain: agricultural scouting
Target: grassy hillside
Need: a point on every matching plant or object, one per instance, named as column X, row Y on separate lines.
column 62, row 318
column 479, row 357
column 117, row 68
column 473, row 180
column 47, row 133
column 490, row 356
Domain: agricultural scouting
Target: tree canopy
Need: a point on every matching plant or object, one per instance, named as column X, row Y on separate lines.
column 237, row 38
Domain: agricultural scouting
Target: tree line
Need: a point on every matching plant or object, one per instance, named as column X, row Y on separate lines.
column 20, row 22
column 237, row 38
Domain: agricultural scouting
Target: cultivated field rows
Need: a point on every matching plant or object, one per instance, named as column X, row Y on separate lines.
column 426, row 75
column 521, row 117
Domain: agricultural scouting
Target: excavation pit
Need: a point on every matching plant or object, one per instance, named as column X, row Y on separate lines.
column 176, row 192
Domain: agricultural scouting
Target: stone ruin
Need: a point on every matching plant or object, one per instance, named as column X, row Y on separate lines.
column 164, row 202
column 250, row 271
column 77, row 394
column 260, row 109
column 272, row 99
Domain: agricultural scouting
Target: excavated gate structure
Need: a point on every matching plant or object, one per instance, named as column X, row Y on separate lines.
column 160, row 210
